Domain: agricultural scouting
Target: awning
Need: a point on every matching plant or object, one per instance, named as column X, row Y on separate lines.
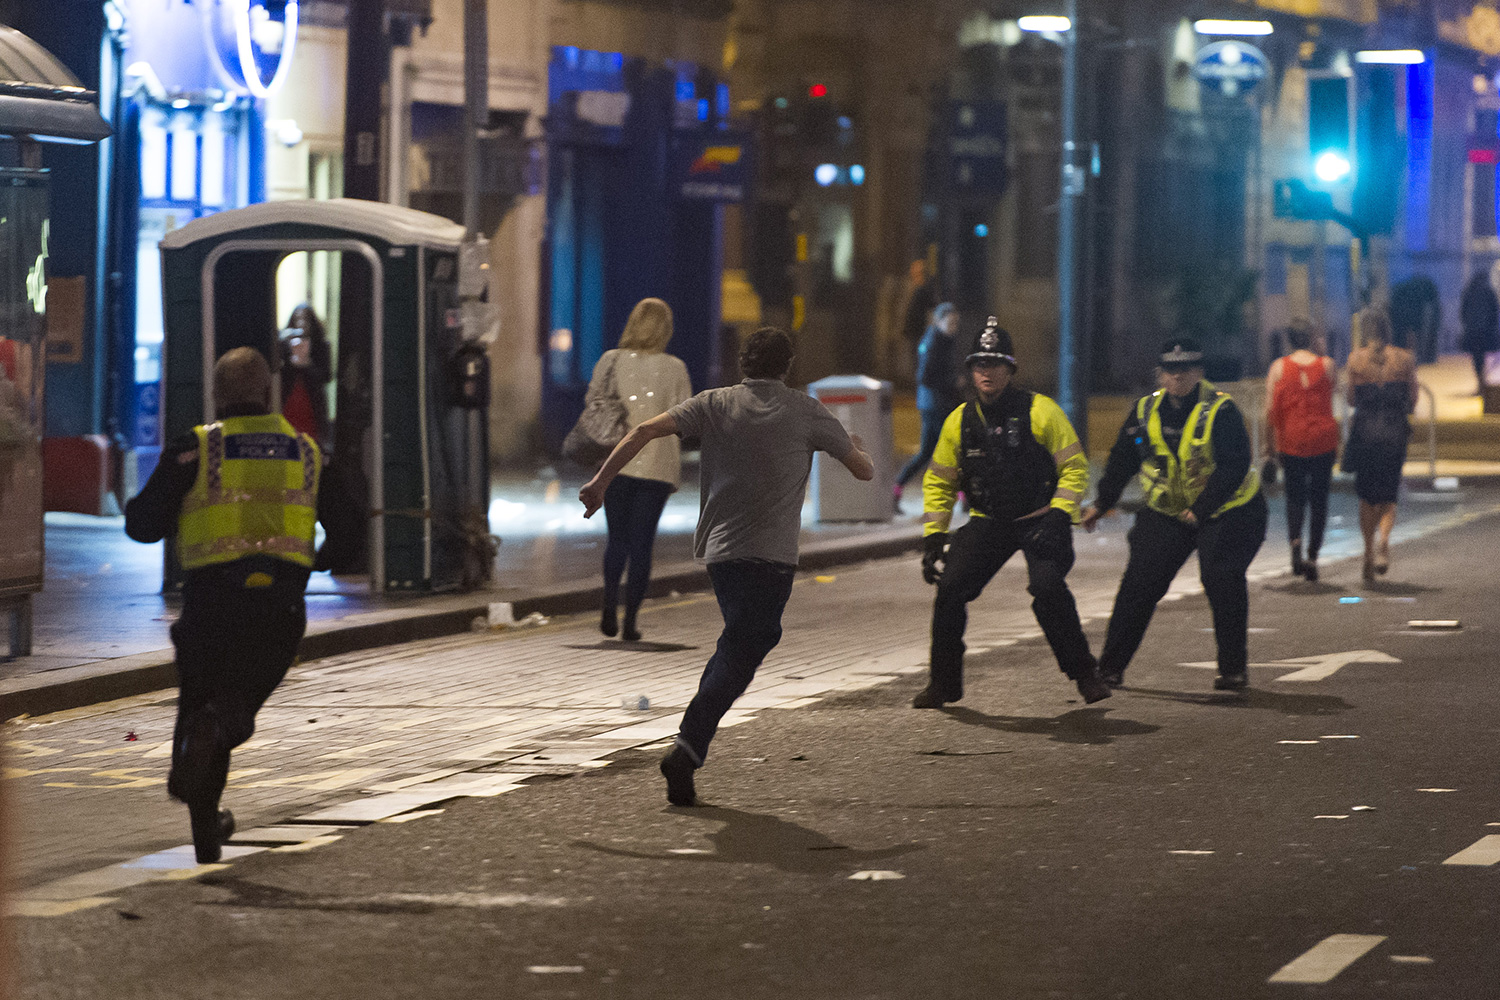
column 40, row 98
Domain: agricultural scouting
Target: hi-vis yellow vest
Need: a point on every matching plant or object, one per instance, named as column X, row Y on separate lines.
column 256, row 494
column 1173, row 483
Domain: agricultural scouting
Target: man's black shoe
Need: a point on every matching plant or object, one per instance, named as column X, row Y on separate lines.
column 1093, row 688
column 1114, row 678
column 928, row 698
column 1231, row 682
column 208, row 831
column 677, row 768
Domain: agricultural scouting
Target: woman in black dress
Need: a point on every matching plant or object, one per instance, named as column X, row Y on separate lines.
column 1383, row 391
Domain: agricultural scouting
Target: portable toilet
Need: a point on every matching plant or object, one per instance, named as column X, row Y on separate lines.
column 407, row 430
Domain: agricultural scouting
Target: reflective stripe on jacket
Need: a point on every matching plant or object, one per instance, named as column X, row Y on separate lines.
column 1173, row 482
column 256, row 494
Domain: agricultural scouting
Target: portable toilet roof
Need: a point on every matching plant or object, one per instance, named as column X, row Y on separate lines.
column 391, row 224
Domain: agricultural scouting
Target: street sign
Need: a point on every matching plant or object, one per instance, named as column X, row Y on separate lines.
column 977, row 146
column 1313, row 668
column 715, row 168
column 1232, row 66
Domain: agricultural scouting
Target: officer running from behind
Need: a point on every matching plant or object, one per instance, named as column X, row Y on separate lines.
column 1022, row 469
column 242, row 496
column 1188, row 443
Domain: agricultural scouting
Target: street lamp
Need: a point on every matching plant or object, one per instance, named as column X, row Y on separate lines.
column 1216, row 26
column 1045, row 23
column 1391, row 57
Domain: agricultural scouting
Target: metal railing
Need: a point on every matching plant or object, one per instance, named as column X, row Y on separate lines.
column 1251, row 397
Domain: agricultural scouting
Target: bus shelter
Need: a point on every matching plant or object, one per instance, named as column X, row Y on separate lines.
column 40, row 101
column 409, row 429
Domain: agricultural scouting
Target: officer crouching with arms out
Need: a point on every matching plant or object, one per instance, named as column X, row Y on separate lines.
column 1188, row 443
column 1022, row 469
column 242, row 496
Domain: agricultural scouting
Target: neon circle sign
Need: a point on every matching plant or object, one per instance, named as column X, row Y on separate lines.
column 251, row 46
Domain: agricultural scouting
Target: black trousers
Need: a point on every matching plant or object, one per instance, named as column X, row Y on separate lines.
column 975, row 554
column 1159, row 545
column 752, row 595
column 932, row 429
column 1307, row 482
column 632, row 509
column 234, row 645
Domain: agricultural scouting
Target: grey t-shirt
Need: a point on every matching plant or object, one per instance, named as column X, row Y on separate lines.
column 758, row 442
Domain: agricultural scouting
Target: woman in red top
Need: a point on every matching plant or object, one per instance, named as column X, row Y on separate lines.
column 1304, row 437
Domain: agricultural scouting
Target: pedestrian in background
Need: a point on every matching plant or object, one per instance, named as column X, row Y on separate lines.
column 306, row 369
column 1383, row 391
column 1479, row 315
column 242, row 495
column 937, row 388
column 1303, row 437
column 758, row 440
column 649, row 382
column 1021, row 467
column 1188, row 443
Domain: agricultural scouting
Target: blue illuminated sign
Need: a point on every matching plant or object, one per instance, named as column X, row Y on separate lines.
column 252, row 42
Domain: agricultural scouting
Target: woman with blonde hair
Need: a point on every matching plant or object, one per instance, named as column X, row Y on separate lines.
column 649, row 382
column 1383, row 391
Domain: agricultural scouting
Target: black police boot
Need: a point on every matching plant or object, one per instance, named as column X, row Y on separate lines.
column 677, row 767
column 1232, row 682
column 1092, row 686
column 929, row 697
column 208, row 831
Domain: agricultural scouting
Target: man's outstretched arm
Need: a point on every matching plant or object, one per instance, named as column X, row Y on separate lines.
column 592, row 493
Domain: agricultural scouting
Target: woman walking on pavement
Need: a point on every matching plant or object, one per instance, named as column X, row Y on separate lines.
column 1383, row 391
column 1304, row 439
column 937, row 388
column 649, row 382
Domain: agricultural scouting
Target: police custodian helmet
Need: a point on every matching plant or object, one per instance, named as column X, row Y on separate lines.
column 1180, row 354
column 994, row 345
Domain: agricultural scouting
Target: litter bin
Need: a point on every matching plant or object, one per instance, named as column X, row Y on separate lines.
column 863, row 406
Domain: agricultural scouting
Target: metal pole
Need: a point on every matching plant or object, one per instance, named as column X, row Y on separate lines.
column 476, row 104
column 1073, row 185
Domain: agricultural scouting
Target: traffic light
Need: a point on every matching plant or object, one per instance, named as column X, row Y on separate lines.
column 1330, row 150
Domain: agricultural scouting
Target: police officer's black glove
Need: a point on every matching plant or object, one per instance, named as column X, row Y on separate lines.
column 1051, row 535
column 934, row 552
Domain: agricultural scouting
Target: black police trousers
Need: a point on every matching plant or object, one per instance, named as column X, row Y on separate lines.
column 1159, row 545
column 975, row 554
column 234, row 645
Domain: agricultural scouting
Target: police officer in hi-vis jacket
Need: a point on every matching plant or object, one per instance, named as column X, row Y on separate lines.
column 241, row 495
column 1022, row 470
column 1189, row 446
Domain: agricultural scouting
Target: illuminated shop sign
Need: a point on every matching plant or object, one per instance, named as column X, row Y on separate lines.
column 252, row 41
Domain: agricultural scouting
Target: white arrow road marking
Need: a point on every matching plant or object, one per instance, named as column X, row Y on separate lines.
column 1312, row 668
column 1326, row 959
column 1482, row 853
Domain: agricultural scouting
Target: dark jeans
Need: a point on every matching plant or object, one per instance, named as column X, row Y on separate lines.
column 233, row 648
column 632, row 508
column 752, row 595
column 1159, row 545
column 975, row 555
column 1307, row 482
column 932, row 429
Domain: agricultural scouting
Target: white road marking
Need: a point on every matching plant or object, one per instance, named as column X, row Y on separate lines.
column 553, row 970
column 1437, row 789
column 1190, row 852
column 1482, row 853
column 873, row 876
column 1331, row 816
column 1326, row 959
column 1310, row 668
column 1306, row 743
column 1412, row 959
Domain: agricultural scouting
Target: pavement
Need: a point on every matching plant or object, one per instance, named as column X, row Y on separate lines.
column 480, row 815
